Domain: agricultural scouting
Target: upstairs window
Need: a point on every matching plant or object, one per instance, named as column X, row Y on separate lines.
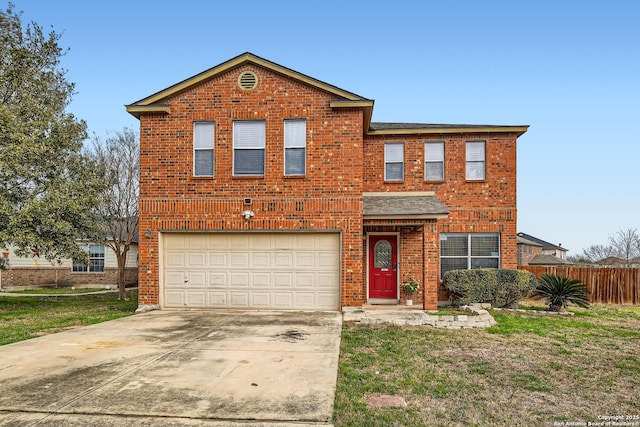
column 203, row 148
column 475, row 161
column 465, row 251
column 434, row 161
column 96, row 259
column 394, row 161
column 249, row 147
column 295, row 146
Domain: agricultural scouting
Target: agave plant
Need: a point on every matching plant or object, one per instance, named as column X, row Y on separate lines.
column 560, row 291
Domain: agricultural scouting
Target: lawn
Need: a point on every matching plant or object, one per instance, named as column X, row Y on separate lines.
column 22, row 318
column 529, row 370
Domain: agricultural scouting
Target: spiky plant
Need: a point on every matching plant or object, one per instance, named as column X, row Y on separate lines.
column 560, row 291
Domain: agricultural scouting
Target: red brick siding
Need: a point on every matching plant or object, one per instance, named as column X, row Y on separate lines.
column 29, row 277
column 328, row 197
column 487, row 206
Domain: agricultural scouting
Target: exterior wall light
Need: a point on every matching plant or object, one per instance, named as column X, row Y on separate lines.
column 247, row 214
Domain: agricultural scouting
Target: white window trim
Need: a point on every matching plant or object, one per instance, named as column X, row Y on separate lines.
column 386, row 161
column 212, row 147
column 256, row 147
column 297, row 145
column 469, row 257
column 469, row 160
column 426, row 161
column 87, row 247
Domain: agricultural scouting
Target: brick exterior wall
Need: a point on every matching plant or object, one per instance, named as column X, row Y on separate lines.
column 487, row 206
column 327, row 198
column 527, row 252
column 341, row 164
column 16, row 278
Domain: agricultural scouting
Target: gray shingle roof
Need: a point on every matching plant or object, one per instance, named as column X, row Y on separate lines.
column 403, row 204
column 541, row 259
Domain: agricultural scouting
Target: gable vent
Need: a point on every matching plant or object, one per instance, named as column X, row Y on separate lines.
column 247, row 80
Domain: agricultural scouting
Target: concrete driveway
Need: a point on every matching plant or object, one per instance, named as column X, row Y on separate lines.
column 177, row 368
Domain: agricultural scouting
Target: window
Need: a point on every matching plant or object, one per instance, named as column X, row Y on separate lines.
column 394, row 161
column 248, row 147
column 96, row 259
column 434, row 161
column 295, row 146
column 203, row 148
column 475, row 161
column 465, row 251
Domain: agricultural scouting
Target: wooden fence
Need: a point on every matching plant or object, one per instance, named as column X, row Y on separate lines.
column 605, row 285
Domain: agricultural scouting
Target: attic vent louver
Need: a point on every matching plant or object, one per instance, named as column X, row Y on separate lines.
column 247, row 80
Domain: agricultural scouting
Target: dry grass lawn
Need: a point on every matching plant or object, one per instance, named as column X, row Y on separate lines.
column 530, row 370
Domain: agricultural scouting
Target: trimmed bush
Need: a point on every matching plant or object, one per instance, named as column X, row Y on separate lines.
column 500, row 287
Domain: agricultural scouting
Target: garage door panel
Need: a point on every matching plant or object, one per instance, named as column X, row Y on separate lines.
column 217, row 259
column 260, row 299
column 260, row 280
column 175, row 259
column 305, row 260
column 305, row 300
column 217, row 299
column 305, row 280
column 239, row 260
column 175, row 298
column 217, row 279
column 196, row 279
column 239, row 299
column 261, row 260
column 282, row 260
column 283, row 280
column 283, row 300
column 239, row 280
column 327, row 300
column 174, row 279
column 326, row 259
column 196, row 298
column 252, row 270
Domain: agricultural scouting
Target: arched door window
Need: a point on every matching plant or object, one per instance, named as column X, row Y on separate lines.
column 382, row 254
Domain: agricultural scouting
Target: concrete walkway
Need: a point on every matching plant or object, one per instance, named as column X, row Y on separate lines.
column 177, row 368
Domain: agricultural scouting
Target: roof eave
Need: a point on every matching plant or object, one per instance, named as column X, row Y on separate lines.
column 365, row 104
column 234, row 62
column 519, row 130
column 405, row 216
column 138, row 110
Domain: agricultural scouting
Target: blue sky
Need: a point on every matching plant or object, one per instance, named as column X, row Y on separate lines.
column 569, row 69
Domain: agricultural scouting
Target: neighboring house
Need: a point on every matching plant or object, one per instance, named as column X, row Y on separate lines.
column 261, row 187
column 544, row 259
column 530, row 246
column 614, row 261
column 33, row 271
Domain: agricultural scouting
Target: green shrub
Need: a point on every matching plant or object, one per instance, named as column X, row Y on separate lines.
column 500, row 287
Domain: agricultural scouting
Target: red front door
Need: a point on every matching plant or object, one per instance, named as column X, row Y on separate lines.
column 383, row 266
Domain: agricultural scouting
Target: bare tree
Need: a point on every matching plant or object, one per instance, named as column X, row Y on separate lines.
column 120, row 155
column 595, row 253
column 626, row 244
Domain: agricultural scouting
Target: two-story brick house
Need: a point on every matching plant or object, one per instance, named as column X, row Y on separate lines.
column 262, row 187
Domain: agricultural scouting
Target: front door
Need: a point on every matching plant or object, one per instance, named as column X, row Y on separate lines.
column 383, row 266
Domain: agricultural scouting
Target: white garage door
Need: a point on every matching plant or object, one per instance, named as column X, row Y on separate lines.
column 288, row 271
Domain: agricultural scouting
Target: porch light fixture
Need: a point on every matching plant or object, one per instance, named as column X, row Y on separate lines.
column 247, row 214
